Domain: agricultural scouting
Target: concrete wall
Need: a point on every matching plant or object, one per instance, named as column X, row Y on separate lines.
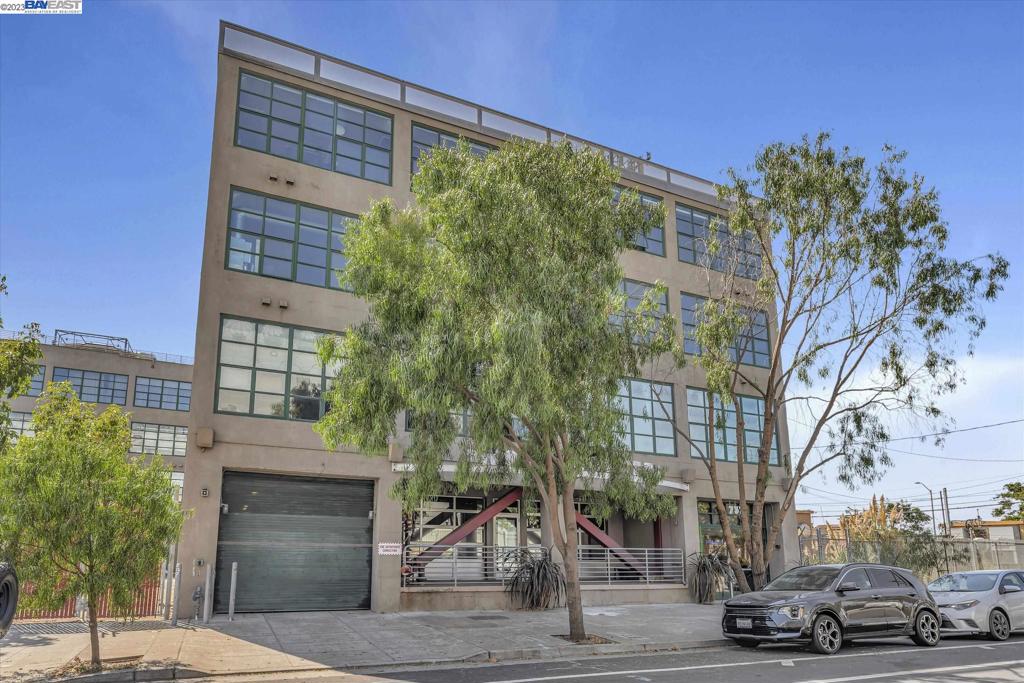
column 494, row 597
column 275, row 445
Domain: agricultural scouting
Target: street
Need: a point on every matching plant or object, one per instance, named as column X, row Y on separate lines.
column 883, row 660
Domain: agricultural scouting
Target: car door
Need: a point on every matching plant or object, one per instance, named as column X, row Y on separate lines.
column 863, row 616
column 1014, row 601
column 901, row 597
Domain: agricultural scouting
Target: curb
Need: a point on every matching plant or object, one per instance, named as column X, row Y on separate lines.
column 562, row 651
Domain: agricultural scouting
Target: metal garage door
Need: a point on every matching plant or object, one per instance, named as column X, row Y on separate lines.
column 301, row 543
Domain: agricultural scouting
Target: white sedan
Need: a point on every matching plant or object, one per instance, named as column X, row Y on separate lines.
column 989, row 602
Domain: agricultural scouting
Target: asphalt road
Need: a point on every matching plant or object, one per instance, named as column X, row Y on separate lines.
column 886, row 661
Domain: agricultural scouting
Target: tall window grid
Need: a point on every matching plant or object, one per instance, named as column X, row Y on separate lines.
column 635, row 292
column 167, row 394
column 150, row 438
column 752, row 346
column 693, row 229
column 314, row 129
column 726, row 435
column 37, row 382
column 286, row 240
column 269, row 370
column 648, row 416
column 459, row 418
column 424, row 139
column 654, row 241
column 95, row 387
column 21, row 423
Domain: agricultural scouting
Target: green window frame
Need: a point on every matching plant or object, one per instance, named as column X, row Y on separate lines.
column 95, row 387
column 425, row 138
column 158, row 439
column 754, row 342
column 654, row 241
column 693, row 226
column 459, row 418
column 270, row 370
column 286, row 240
column 635, row 292
column 726, row 439
column 37, row 382
column 21, row 423
column 335, row 135
column 648, row 416
column 167, row 394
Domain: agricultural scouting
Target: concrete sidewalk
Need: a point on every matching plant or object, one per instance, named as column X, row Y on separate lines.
column 257, row 643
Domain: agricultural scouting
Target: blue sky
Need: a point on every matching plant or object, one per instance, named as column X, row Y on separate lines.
column 105, row 131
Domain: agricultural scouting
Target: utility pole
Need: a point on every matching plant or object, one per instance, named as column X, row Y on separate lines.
column 944, row 499
column 932, row 499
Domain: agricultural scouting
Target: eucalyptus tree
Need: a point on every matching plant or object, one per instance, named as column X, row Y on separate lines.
column 849, row 266
column 19, row 357
column 497, row 293
column 78, row 516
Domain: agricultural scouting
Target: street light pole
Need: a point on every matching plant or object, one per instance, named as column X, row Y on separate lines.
column 932, row 499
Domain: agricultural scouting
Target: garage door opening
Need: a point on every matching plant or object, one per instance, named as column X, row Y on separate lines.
column 301, row 543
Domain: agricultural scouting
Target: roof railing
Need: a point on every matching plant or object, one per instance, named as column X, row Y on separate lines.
column 101, row 342
column 280, row 54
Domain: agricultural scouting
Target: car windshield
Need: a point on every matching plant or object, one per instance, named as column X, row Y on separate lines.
column 964, row 583
column 804, row 579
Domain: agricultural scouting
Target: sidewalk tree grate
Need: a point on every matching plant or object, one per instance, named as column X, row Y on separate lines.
column 52, row 628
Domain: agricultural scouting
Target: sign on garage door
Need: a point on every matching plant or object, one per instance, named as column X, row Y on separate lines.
column 301, row 543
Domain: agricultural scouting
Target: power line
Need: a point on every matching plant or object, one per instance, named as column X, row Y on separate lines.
column 925, row 436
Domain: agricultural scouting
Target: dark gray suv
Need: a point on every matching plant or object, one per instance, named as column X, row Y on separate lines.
column 827, row 605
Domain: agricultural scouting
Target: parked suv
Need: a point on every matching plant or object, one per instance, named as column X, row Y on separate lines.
column 989, row 602
column 827, row 605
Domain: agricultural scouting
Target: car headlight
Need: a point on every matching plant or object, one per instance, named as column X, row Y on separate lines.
column 792, row 611
column 963, row 605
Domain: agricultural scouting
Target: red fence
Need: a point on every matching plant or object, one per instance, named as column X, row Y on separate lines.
column 146, row 604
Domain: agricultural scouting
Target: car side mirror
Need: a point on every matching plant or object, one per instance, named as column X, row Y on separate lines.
column 1010, row 588
column 848, row 587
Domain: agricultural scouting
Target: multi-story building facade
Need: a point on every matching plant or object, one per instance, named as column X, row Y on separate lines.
column 155, row 388
column 303, row 143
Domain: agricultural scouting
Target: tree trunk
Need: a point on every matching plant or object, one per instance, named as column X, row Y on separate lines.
column 573, row 595
column 94, row 632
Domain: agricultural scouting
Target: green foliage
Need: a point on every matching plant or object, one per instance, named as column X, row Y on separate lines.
column 498, row 293
column 533, row 581
column 1011, row 502
column 78, row 515
column 18, row 360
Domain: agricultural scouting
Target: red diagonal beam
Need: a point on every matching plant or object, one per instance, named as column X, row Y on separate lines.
column 478, row 520
column 610, row 543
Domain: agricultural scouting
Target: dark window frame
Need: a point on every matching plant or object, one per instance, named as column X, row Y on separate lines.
column 645, row 197
column 748, row 339
column 100, row 377
column 414, row 157
column 688, row 241
column 775, row 458
column 182, row 393
column 630, row 435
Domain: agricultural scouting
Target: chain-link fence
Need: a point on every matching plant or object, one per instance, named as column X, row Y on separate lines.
column 926, row 555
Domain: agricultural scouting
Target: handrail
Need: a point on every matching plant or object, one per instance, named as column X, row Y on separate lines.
column 253, row 45
column 80, row 340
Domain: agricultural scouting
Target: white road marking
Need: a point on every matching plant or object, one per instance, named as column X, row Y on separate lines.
column 787, row 662
column 759, row 662
column 937, row 670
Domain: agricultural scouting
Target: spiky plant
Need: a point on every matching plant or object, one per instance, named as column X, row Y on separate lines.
column 533, row 581
column 706, row 573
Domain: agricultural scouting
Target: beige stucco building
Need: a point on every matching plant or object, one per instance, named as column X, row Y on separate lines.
column 303, row 142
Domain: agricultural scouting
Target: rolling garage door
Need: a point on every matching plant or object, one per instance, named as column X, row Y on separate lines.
column 301, row 543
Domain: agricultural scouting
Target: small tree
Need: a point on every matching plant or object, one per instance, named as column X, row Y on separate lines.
column 81, row 517
column 1011, row 502
column 498, row 294
column 19, row 357
column 869, row 310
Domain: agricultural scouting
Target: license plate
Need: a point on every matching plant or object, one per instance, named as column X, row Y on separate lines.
column 745, row 623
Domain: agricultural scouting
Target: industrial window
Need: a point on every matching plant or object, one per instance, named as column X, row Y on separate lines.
column 21, row 423
column 424, row 139
column 725, row 427
column 654, row 241
column 95, row 387
column 320, row 131
column 283, row 239
column 159, row 439
column 35, row 386
column 693, row 229
column 269, row 370
column 647, row 416
column 162, row 393
column 635, row 292
column 752, row 344
column 459, row 418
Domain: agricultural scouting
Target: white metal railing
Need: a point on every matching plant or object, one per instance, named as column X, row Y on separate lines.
column 470, row 564
column 96, row 342
column 251, row 44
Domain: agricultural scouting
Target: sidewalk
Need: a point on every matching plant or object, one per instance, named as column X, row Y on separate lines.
column 257, row 643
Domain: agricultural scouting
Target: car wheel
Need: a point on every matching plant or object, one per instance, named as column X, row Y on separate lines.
column 998, row 625
column 8, row 597
column 926, row 629
column 746, row 642
column 826, row 635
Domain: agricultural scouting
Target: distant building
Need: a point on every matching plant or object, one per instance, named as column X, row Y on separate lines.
column 992, row 529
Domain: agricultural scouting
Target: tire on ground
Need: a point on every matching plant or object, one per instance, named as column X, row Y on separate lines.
column 926, row 629
column 8, row 597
